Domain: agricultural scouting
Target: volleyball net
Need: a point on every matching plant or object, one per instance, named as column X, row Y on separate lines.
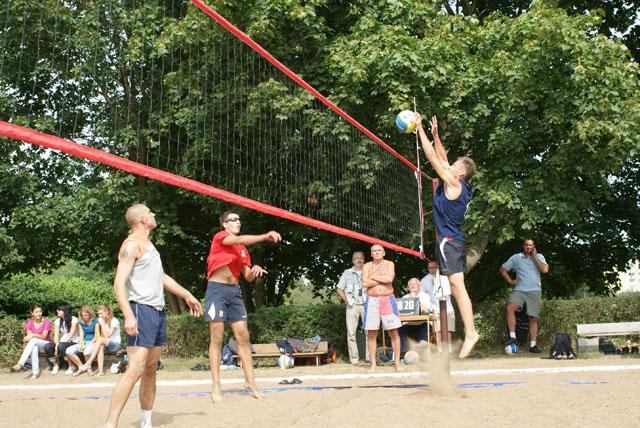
column 172, row 91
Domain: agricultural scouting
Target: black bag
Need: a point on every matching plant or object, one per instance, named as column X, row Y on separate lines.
column 522, row 324
column 607, row 347
column 561, row 348
column 284, row 346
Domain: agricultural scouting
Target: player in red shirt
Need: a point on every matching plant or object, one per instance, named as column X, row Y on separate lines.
column 228, row 258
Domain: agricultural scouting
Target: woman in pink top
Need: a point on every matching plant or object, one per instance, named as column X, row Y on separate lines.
column 36, row 336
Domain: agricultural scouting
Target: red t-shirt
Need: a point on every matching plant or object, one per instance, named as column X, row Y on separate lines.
column 235, row 256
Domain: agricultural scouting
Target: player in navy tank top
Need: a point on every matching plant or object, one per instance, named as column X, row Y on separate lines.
column 450, row 204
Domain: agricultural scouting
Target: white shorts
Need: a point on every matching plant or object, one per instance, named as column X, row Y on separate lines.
column 381, row 309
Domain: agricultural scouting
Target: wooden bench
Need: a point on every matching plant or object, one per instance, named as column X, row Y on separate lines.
column 271, row 350
column 109, row 358
column 585, row 332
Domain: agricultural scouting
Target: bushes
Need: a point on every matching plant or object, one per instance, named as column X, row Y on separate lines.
column 11, row 334
column 189, row 337
column 557, row 315
column 18, row 293
column 271, row 323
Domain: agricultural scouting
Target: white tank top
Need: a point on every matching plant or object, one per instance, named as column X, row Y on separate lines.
column 144, row 285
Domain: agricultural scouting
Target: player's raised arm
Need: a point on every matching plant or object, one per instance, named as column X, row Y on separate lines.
column 437, row 144
column 441, row 168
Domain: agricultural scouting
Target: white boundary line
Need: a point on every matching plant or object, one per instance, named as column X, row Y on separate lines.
column 345, row 376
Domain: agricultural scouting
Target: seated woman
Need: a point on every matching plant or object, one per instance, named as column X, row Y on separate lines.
column 89, row 329
column 415, row 328
column 65, row 334
column 109, row 340
column 36, row 336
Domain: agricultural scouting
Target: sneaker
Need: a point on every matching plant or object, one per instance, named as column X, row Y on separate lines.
column 71, row 370
column 55, row 369
column 535, row 349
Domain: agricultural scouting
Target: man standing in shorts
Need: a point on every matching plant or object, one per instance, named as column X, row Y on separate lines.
column 450, row 204
column 527, row 265
column 380, row 306
column 228, row 259
column 139, row 285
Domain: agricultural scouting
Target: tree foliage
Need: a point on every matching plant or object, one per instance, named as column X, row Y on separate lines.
column 542, row 99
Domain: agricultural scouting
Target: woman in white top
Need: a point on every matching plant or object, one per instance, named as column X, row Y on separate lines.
column 108, row 340
column 65, row 335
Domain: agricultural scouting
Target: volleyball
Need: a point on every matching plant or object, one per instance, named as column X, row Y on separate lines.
column 411, row 357
column 510, row 349
column 285, row 362
column 406, row 121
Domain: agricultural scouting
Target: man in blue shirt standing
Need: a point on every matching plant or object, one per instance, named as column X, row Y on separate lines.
column 527, row 265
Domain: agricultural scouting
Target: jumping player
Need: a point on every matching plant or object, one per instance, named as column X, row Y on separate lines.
column 228, row 258
column 449, row 207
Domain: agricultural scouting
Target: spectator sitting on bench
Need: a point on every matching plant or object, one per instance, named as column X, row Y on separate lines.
column 415, row 329
column 89, row 329
column 65, row 334
column 36, row 336
column 108, row 340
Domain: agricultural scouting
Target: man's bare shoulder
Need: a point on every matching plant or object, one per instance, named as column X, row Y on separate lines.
column 130, row 248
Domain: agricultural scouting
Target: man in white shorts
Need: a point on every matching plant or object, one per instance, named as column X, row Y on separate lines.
column 380, row 306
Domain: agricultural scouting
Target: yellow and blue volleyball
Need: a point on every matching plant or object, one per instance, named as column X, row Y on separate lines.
column 406, row 121
column 511, row 349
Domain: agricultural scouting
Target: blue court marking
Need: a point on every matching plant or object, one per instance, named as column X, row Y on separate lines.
column 474, row 385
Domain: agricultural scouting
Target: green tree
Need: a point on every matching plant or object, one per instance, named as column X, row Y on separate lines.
column 547, row 109
column 546, row 106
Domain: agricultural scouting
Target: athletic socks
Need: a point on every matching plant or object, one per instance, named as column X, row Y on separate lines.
column 145, row 418
column 512, row 334
column 533, row 343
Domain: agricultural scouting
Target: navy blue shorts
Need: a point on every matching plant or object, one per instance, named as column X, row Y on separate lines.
column 450, row 254
column 152, row 326
column 223, row 302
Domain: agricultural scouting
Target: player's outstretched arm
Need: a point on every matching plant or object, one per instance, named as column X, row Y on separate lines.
column 253, row 272
column 172, row 286
column 441, row 168
column 271, row 236
column 437, row 144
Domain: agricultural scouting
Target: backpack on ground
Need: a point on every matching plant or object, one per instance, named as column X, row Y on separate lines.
column 561, row 348
column 227, row 356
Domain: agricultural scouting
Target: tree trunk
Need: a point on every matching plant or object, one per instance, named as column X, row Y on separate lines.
column 258, row 286
column 177, row 305
column 475, row 250
column 245, row 288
